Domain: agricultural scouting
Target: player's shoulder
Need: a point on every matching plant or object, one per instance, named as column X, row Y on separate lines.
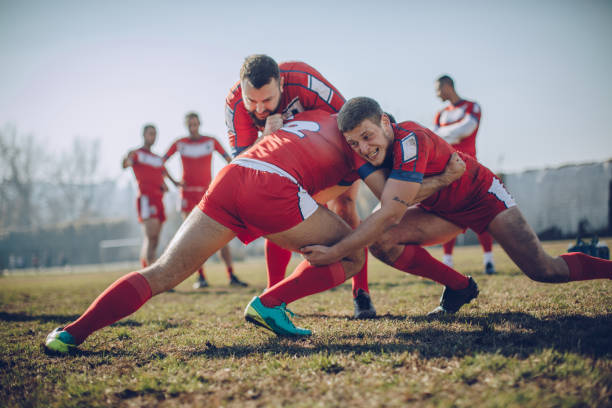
column 473, row 105
column 297, row 69
column 234, row 96
column 404, row 128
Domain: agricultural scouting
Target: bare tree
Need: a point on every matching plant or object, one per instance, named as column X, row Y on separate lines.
column 20, row 160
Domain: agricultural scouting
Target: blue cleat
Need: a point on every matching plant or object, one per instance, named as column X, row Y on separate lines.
column 274, row 319
column 60, row 341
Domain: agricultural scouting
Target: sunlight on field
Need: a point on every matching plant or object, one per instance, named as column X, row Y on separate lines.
column 520, row 343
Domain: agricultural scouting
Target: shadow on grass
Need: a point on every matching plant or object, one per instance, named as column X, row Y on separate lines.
column 525, row 335
column 56, row 318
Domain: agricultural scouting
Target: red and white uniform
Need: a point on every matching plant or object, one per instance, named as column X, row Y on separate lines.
column 458, row 125
column 268, row 188
column 304, row 89
column 149, row 172
column 196, row 158
column 472, row 201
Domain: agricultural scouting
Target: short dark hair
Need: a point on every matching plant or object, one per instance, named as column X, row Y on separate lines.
column 147, row 127
column 356, row 110
column 445, row 79
column 259, row 69
column 191, row 115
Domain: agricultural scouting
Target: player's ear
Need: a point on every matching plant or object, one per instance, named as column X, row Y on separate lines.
column 282, row 83
column 384, row 120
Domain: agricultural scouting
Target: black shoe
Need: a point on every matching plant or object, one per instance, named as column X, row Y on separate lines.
column 364, row 309
column 200, row 283
column 452, row 300
column 489, row 268
column 234, row 281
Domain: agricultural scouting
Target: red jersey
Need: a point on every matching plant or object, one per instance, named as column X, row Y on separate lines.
column 418, row 152
column 458, row 125
column 149, row 171
column 304, row 89
column 196, row 157
column 311, row 149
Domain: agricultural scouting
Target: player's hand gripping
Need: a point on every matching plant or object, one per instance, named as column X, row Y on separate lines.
column 454, row 168
column 273, row 123
column 319, row 255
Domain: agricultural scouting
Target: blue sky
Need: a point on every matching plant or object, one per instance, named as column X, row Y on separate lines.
column 100, row 70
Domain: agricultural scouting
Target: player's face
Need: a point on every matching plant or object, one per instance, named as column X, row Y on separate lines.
column 442, row 91
column 193, row 124
column 372, row 141
column 262, row 102
column 149, row 137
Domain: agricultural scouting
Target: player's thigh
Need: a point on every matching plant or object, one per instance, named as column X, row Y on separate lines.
column 323, row 227
column 517, row 238
column 196, row 240
column 422, row 228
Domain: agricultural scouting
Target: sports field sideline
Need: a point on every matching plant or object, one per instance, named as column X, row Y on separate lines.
column 520, row 343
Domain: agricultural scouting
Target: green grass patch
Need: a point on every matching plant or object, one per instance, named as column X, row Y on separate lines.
column 519, row 344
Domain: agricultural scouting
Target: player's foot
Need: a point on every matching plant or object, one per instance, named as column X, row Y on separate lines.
column 452, row 300
column 274, row 319
column 364, row 309
column 489, row 268
column 234, row 281
column 200, row 283
column 60, row 341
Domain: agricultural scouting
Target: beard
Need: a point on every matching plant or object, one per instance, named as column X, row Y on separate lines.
column 261, row 123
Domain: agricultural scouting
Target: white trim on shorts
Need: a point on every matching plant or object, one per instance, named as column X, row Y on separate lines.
column 145, row 208
column 307, row 204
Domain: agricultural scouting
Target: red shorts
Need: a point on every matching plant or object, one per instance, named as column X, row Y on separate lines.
column 190, row 197
column 471, row 202
column 150, row 206
column 254, row 199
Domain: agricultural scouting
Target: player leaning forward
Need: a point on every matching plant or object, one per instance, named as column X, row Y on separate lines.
column 266, row 191
column 477, row 200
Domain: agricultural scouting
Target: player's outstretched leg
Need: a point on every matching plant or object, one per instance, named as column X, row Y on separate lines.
column 198, row 238
column 423, row 228
column 323, row 227
column 517, row 238
column 345, row 205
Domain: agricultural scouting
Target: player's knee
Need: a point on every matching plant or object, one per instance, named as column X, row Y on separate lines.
column 541, row 272
column 381, row 249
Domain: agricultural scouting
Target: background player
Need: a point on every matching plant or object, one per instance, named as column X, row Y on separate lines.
column 266, row 191
column 196, row 157
column 477, row 200
column 266, row 95
column 458, row 124
column 149, row 171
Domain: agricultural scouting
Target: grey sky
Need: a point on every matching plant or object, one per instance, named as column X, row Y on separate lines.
column 101, row 70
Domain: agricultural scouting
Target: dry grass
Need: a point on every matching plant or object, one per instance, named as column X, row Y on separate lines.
column 520, row 344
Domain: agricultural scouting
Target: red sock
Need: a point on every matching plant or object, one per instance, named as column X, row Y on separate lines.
column 277, row 259
column 143, row 262
column 304, row 281
column 486, row 241
column 230, row 271
column 360, row 281
column 585, row 267
column 122, row 298
column 201, row 272
column 449, row 246
column 417, row 261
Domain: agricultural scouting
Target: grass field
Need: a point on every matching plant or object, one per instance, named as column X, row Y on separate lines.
column 520, row 344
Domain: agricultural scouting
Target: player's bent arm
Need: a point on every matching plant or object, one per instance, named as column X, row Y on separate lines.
column 397, row 196
column 454, row 170
column 457, row 131
column 172, row 179
column 128, row 160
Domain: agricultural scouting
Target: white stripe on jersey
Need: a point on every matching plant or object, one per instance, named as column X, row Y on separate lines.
column 324, row 91
column 196, row 149
column 151, row 160
column 229, row 119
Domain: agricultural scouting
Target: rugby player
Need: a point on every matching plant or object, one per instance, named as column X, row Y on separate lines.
column 196, row 152
column 458, row 124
